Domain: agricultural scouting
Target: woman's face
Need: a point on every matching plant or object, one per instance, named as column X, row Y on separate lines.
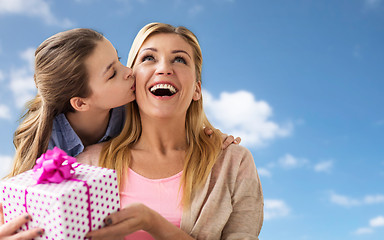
column 165, row 76
column 112, row 84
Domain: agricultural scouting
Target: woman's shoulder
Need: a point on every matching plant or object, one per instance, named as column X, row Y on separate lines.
column 236, row 154
column 90, row 155
column 234, row 159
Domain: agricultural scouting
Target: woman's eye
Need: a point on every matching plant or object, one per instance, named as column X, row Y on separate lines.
column 113, row 75
column 148, row 58
column 180, row 60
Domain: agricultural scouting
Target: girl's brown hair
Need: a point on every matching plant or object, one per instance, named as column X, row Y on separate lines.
column 60, row 74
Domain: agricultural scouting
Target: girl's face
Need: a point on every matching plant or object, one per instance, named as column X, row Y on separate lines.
column 165, row 76
column 112, row 84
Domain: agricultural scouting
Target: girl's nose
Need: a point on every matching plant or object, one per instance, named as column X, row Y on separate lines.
column 128, row 72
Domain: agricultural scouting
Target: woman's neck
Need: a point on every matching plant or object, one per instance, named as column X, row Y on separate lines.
column 162, row 135
column 89, row 126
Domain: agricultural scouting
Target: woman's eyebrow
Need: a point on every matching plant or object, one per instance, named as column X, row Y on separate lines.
column 181, row 51
column 148, row 49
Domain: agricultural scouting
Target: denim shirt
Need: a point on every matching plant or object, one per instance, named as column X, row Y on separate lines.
column 64, row 137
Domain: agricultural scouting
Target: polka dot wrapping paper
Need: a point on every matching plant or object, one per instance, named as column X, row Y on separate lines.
column 67, row 210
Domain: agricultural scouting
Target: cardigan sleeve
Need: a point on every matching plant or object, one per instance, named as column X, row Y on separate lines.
column 246, row 218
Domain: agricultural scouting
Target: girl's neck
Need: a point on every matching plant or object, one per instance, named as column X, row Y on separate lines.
column 89, row 126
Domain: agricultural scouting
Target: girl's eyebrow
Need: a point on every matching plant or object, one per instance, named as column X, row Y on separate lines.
column 110, row 65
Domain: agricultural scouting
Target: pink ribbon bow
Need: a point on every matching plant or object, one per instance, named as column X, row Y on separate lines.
column 54, row 166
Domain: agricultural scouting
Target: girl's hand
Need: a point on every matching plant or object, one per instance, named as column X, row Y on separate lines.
column 227, row 139
column 8, row 230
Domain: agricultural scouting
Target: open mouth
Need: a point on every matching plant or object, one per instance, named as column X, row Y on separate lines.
column 163, row 90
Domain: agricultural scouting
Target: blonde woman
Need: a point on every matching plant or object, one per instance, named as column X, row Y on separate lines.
column 175, row 181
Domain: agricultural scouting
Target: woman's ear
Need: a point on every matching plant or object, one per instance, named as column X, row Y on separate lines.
column 79, row 104
column 197, row 93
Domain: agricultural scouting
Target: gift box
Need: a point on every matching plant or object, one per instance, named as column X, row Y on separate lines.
column 67, row 204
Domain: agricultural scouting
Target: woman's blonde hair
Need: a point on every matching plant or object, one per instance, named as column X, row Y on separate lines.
column 202, row 150
column 60, row 74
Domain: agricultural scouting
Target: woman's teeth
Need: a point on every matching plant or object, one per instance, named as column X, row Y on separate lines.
column 163, row 90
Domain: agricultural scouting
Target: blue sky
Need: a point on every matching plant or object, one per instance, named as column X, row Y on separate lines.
column 300, row 81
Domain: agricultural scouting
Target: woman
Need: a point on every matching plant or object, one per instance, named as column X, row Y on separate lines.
column 176, row 183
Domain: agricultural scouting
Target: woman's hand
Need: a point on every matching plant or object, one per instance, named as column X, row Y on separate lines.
column 227, row 139
column 8, row 230
column 136, row 217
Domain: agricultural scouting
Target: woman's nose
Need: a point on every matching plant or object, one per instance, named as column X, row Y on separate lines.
column 164, row 68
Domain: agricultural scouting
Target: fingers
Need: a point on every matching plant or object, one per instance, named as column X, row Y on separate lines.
column 1, row 214
column 9, row 229
column 130, row 219
column 117, row 231
column 12, row 226
column 228, row 141
column 237, row 140
column 208, row 131
column 30, row 234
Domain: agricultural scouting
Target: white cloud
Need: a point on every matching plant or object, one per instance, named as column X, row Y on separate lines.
column 363, row 230
column 344, row 200
column 22, row 84
column 5, row 112
column 29, row 56
column 240, row 114
column 5, row 165
column 351, row 202
column 370, row 199
column 275, row 208
column 288, row 161
column 263, row 172
column 324, row 166
column 33, row 8
column 373, row 223
column 377, row 222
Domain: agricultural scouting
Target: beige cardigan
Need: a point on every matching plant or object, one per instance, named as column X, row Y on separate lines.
column 230, row 206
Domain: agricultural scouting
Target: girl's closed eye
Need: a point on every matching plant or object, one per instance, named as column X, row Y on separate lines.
column 180, row 60
column 113, row 75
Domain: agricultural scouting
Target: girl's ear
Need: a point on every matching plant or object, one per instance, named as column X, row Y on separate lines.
column 79, row 104
column 197, row 93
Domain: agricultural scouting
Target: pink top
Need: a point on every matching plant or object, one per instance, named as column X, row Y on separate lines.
column 161, row 195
